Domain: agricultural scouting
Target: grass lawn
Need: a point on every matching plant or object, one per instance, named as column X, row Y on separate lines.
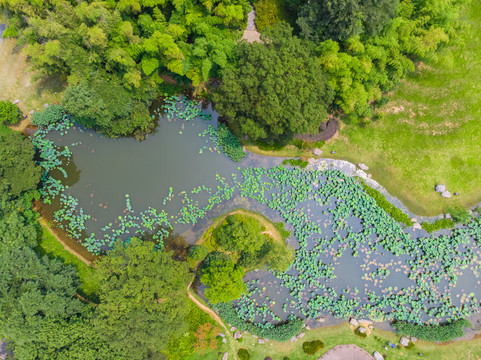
column 50, row 246
column 430, row 133
column 342, row 334
column 16, row 82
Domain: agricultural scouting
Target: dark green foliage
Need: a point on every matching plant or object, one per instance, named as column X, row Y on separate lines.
column 279, row 257
column 254, row 259
column 438, row 224
column 9, row 113
column 270, row 12
column 142, row 299
column 358, row 333
column 18, row 171
column 459, row 214
column 296, row 162
column 51, row 115
column 311, row 347
column 239, row 233
column 230, row 144
column 198, row 252
column 281, row 332
column 243, row 354
column 223, row 280
column 380, row 199
column 276, row 91
column 443, row 332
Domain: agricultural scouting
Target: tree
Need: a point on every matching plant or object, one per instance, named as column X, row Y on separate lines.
column 239, row 233
column 341, row 19
column 142, row 299
column 9, row 113
column 223, row 280
column 277, row 89
column 18, row 170
column 279, row 257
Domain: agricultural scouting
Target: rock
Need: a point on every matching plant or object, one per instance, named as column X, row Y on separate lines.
column 301, row 335
column 308, row 327
column 362, row 166
column 31, row 112
column 233, row 328
column 446, row 194
column 224, row 340
column 417, row 226
column 221, row 335
column 361, row 329
column 317, row 152
column 261, row 341
column 377, row 355
column 369, row 176
column 365, row 321
column 361, row 174
column 321, row 320
column 45, row 106
column 404, row 341
column 440, row 188
column 470, row 212
column 266, row 340
column 371, row 327
column 414, row 220
column 293, row 339
column 237, row 335
column 448, row 216
column 225, row 356
column 414, row 339
column 333, row 152
column 16, row 102
column 456, row 194
column 311, row 161
column 354, row 322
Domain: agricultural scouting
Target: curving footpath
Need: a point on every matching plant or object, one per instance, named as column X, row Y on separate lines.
column 346, row 352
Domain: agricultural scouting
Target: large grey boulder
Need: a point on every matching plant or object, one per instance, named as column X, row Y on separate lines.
column 377, row 355
column 417, row 226
column 446, row 194
column 225, row 356
column 448, row 216
column 237, row 335
column 440, row 188
column 354, row 322
column 404, row 341
column 317, row 152
column 361, row 329
column 363, row 166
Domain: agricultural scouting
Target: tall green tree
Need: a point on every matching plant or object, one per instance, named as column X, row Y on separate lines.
column 18, row 171
column 223, row 280
column 239, row 233
column 142, row 299
column 277, row 89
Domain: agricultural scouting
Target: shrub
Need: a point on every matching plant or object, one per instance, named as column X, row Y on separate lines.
column 296, row 162
column 280, row 332
column 284, row 233
column 9, row 113
column 198, row 252
column 311, row 347
column 243, row 354
column 51, row 115
column 459, row 214
column 358, row 333
column 438, row 224
column 395, row 213
column 442, row 332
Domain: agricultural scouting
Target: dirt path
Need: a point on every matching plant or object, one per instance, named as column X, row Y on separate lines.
column 66, row 246
column 22, row 125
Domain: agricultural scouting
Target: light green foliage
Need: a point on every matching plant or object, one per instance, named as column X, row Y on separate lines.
column 51, row 115
column 276, row 90
column 223, row 280
column 438, row 224
column 122, row 46
column 270, row 12
column 459, row 214
column 18, row 171
column 243, row 354
column 239, row 233
column 279, row 257
column 142, row 299
column 9, row 113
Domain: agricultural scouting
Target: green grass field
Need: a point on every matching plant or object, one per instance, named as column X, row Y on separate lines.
column 431, row 129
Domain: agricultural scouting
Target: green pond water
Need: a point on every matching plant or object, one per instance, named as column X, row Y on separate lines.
column 102, row 171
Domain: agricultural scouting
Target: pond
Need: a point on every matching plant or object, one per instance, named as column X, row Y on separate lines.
column 351, row 257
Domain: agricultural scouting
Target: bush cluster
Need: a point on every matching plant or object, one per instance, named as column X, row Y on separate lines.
column 459, row 214
column 51, row 115
column 243, row 354
column 198, row 252
column 296, row 162
column 443, row 332
column 280, row 332
column 380, row 199
column 438, row 224
column 311, row 347
column 9, row 113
